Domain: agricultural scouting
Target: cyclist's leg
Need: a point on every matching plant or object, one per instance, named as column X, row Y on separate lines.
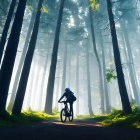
column 71, row 107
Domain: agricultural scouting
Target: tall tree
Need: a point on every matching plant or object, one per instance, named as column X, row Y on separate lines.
column 64, row 70
column 31, row 84
column 57, row 88
column 27, row 64
column 127, row 60
column 51, row 80
column 69, row 72
column 6, row 27
column 107, row 102
column 131, row 69
column 77, row 80
column 88, row 82
column 120, row 76
column 43, row 80
column 98, row 61
column 17, row 77
column 10, row 54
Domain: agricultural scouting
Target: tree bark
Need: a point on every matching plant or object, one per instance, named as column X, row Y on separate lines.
column 27, row 64
column 132, row 72
column 98, row 62
column 107, row 102
column 88, row 82
column 77, row 80
column 6, row 27
column 64, row 70
column 17, row 77
column 10, row 54
column 51, row 80
column 121, row 82
column 69, row 72
column 128, row 77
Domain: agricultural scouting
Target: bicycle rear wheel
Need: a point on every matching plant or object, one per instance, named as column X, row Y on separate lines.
column 71, row 117
column 63, row 115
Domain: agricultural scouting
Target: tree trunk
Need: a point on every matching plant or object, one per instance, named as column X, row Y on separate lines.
column 6, row 27
column 10, row 54
column 88, row 82
column 57, row 93
column 27, row 64
column 16, row 81
column 36, row 85
column 132, row 72
column 77, row 80
column 64, row 71
column 50, row 87
column 121, row 82
column 126, row 61
column 104, row 74
column 69, row 72
column 98, row 62
column 31, row 84
column 43, row 82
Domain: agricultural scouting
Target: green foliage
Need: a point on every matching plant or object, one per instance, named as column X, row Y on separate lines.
column 117, row 117
column 94, row 5
column 29, row 6
column 43, row 9
column 8, row 120
column 132, row 120
column 110, row 75
column 135, row 109
column 56, row 111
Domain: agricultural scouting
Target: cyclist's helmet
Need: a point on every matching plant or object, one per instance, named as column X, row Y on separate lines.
column 67, row 89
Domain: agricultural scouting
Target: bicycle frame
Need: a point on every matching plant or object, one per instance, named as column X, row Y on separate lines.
column 67, row 112
column 66, row 106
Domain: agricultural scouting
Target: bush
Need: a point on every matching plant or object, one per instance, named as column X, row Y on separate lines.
column 135, row 109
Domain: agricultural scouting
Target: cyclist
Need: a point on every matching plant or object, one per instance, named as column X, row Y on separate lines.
column 70, row 98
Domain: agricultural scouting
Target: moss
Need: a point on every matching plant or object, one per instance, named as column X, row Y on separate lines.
column 25, row 117
column 116, row 117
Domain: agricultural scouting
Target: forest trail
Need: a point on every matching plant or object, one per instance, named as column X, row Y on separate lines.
column 77, row 130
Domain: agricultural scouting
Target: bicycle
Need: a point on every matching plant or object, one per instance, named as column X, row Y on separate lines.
column 65, row 112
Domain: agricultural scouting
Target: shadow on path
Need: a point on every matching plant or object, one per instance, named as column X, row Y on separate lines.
column 77, row 130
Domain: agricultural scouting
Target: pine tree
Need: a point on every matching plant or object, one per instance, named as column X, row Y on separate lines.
column 6, row 27
column 98, row 62
column 120, row 76
column 10, row 54
column 51, row 80
column 88, row 82
column 27, row 64
column 17, row 77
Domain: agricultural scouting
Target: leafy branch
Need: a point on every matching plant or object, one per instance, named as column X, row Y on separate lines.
column 94, row 5
column 110, row 75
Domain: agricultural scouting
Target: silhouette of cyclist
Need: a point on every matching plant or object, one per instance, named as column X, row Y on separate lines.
column 70, row 98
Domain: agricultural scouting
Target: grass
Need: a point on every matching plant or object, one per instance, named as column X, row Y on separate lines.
column 118, row 118
column 9, row 120
column 114, row 118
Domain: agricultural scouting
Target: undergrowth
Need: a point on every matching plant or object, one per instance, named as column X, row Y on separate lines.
column 26, row 117
column 116, row 117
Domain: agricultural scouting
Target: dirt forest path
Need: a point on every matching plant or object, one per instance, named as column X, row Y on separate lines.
column 77, row 130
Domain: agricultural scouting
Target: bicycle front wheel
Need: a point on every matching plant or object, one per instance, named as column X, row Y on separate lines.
column 63, row 115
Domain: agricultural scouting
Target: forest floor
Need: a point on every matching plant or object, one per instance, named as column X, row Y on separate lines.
column 80, row 129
